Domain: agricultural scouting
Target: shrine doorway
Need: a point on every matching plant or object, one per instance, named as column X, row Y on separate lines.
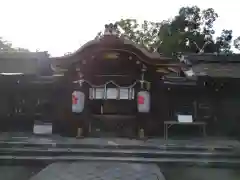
column 114, row 114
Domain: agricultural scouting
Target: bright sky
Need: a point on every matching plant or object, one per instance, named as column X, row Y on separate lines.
column 61, row 26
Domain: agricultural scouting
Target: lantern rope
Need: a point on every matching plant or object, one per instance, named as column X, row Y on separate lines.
column 109, row 82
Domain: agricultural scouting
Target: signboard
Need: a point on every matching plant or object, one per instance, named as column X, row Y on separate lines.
column 185, row 118
column 111, row 56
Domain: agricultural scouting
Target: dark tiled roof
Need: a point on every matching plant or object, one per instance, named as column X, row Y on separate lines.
column 176, row 80
column 211, row 57
column 22, row 55
column 228, row 70
column 23, row 62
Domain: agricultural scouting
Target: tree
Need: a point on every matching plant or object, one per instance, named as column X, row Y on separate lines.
column 145, row 34
column 191, row 30
column 237, row 43
column 223, row 42
column 5, row 46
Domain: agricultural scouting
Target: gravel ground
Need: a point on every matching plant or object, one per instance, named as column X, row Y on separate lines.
column 18, row 172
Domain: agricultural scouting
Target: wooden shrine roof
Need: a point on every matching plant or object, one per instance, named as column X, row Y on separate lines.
column 212, row 65
column 211, row 58
column 124, row 46
column 217, row 70
column 23, row 62
column 110, row 42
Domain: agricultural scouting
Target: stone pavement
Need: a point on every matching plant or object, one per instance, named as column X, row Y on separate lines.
column 19, row 172
column 100, row 171
column 170, row 173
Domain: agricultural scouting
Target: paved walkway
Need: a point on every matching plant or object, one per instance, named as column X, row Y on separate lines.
column 100, row 170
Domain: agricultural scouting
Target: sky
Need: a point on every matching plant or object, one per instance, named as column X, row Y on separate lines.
column 61, row 26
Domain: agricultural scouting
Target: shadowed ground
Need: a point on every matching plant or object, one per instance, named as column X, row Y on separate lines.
column 26, row 173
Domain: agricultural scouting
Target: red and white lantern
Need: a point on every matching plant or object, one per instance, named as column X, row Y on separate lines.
column 143, row 101
column 78, row 100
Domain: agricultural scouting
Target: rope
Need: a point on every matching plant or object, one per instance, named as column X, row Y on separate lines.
column 109, row 82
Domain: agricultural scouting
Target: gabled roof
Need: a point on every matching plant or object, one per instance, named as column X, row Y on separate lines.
column 120, row 40
column 110, row 42
column 116, row 44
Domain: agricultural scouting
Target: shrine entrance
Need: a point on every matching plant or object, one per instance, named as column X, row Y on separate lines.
column 114, row 114
column 110, row 83
column 112, row 77
column 110, row 107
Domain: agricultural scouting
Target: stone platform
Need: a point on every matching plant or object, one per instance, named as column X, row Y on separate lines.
column 22, row 147
column 55, row 140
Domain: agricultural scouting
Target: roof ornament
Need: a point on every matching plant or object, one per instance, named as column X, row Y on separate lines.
column 183, row 59
column 207, row 39
column 67, row 53
column 111, row 29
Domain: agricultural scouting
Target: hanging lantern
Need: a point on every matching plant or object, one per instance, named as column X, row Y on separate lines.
column 78, row 99
column 143, row 101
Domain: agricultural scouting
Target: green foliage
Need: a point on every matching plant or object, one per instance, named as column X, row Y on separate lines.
column 191, row 30
column 223, row 42
column 5, row 46
column 145, row 34
column 237, row 43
